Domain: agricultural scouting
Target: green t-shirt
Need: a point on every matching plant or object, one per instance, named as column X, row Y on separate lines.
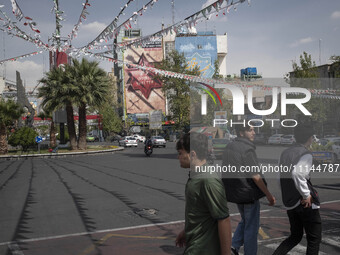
column 205, row 204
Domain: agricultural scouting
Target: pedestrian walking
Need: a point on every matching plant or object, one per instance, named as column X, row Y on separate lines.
column 207, row 224
column 245, row 188
column 298, row 194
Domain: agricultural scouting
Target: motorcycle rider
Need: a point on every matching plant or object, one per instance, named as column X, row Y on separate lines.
column 148, row 143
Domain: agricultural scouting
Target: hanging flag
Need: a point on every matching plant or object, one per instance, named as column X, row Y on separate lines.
column 16, row 10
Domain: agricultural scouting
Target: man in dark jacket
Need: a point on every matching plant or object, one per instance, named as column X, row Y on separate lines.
column 298, row 195
column 245, row 188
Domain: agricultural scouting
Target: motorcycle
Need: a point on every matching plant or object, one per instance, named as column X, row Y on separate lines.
column 148, row 150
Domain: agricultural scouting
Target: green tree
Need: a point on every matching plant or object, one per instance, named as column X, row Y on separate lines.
column 306, row 76
column 9, row 113
column 177, row 91
column 92, row 85
column 110, row 119
column 335, row 65
column 23, row 137
column 59, row 92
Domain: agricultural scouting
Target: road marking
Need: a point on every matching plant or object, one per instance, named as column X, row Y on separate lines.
column 297, row 250
column 15, row 249
column 330, row 241
column 125, row 228
column 330, row 202
column 105, row 231
column 263, row 234
column 93, row 247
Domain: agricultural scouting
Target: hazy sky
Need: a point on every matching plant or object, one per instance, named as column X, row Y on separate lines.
column 268, row 34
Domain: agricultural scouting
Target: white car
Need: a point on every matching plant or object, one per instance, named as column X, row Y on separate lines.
column 288, row 139
column 275, row 139
column 139, row 138
column 128, row 141
column 158, row 141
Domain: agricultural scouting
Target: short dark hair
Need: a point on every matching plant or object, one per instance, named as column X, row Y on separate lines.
column 194, row 142
column 240, row 128
column 302, row 132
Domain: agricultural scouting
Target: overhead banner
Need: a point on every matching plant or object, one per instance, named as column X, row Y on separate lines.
column 143, row 93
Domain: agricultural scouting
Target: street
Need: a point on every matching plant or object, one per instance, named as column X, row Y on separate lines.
column 126, row 203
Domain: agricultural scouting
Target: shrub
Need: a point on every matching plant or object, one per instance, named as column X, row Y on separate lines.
column 24, row 137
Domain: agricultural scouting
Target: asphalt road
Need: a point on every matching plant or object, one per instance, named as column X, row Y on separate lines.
column 126, row 203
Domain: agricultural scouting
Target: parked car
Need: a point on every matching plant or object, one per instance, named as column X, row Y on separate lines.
column 275, row 139
column 139, row 138
column 288, row 139
column 218, row 147
column 260, row 139
column 158, row 141
column 128, row 141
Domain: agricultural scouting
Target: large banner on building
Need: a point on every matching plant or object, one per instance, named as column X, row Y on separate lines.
column 199, row 51
column 143, row 93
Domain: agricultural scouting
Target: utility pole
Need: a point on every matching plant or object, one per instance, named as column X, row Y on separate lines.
column 173, row 11
column 320, row 52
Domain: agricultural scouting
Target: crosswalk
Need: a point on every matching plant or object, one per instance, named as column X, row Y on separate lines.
column 297, row 250
column 328, row 242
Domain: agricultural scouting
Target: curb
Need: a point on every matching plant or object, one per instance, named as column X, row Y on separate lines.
column 56, row 155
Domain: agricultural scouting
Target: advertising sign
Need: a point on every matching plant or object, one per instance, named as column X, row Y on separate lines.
column 143, row 92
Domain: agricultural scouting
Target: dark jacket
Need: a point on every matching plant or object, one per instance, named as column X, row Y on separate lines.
column 290, row 157
column 240, row 187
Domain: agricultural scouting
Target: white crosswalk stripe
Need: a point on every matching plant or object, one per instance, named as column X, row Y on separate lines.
column 297, row 250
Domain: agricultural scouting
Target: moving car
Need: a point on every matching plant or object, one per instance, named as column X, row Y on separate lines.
column 128, row 141
column 288, row 139
column 275, row 139
column 158, row 141
column 139, row 138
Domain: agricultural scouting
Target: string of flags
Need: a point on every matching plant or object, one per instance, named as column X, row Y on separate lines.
column 188, row 23
column 16, row 10
column 12, row 29
column 19, row 15
column 20, row 57
column 82, row 17
column 113, row 30
column 59, row 18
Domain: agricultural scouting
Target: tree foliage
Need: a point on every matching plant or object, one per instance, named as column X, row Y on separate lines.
column 10, row 111
column 177, row 91
column 81, row 84
column 306, row 76
column 23, row 137
column 92, row 85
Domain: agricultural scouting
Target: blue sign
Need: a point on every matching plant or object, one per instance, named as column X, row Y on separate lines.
column 38, row 139
column 199, row 51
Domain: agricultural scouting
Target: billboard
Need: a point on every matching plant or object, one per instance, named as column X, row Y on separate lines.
column 199, row 51
column 143, row 93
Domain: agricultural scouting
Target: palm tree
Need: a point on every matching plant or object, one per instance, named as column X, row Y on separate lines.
column 9, row 112
column 92, row 84
column 58, row 92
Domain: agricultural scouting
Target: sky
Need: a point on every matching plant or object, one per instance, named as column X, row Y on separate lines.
column 267, row 34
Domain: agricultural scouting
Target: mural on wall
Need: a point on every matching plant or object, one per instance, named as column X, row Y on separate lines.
column 143, row 93
column 199, row 51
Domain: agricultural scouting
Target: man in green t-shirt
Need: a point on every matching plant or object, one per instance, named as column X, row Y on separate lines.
column 207, row 223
